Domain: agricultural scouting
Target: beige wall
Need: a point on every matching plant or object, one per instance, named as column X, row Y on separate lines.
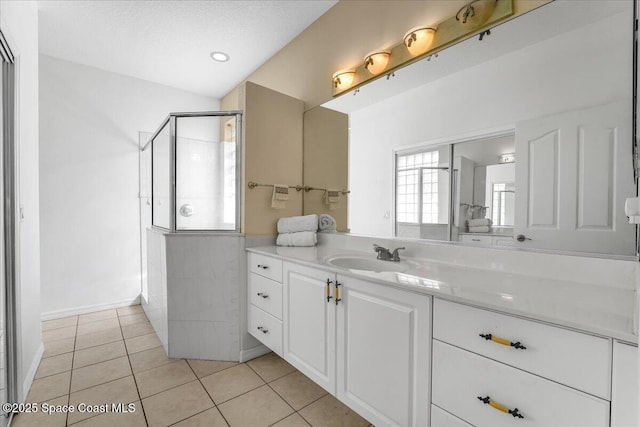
column 272, row 153
column 326, row 139
column 344, row 35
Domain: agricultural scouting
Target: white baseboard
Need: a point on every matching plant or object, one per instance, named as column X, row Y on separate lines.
column 50, row 315
column 31, row 374
column 254, row 352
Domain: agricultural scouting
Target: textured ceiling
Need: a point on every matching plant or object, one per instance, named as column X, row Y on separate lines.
column 169, row 42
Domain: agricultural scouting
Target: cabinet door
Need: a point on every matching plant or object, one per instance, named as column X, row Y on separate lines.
column 624, row 399
column 309, row 323
column 383, row 349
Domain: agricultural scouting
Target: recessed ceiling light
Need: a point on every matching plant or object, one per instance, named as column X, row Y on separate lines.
column 219, row 56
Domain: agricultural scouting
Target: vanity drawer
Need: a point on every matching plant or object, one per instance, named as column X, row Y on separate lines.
column 460, row 377
column 578, row 360
column 268, row 267
column 266, row 328
column 441, row 418
column 476, row 240
column 266, row 294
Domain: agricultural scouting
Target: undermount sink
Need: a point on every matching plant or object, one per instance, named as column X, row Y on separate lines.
column 370, row 264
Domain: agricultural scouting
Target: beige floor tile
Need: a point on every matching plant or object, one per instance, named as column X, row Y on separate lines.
column 232, row 382
column 137, row 329
column 163, row 378
column 149, row 359
column 293, row 420
column 97, row 326
column 100, row 373
column 120, row 419
column 98, row 315
column 43, row 419
column 260, row 407
column 297, row 390
column 209, row 418
column 329, row 411
column 54, row 365
column 202, row 368
column 132, row 309
column 133, row 319
column 176, row 404
column 141, row 343
column 99, row 353
column 98, row 338
column 54, row 348
column 58, row 334
column 270, row 367
column 47, row 325
column 49, row 387
column 118, row 391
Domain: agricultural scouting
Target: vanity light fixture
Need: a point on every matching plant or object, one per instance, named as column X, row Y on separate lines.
column 343, row 79
column 507, row 158
column 219, row 56
column 376, row 61
column 418, row 40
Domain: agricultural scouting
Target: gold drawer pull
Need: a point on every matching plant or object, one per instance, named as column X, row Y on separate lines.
column 329, row 282
column 487, row 401
column 336, row 293
column 503, row 341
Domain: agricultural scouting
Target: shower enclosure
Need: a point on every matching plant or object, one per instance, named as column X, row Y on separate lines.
column 191, row 246
column 191, row 172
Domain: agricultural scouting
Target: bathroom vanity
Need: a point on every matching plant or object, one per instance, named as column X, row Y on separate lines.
column 423, row 342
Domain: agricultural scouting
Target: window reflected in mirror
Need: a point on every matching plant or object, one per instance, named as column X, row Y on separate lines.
column 422, row 193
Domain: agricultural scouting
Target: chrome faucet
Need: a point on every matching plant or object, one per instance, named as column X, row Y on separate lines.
column 386, row 255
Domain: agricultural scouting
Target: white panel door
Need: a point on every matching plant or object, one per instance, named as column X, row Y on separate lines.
column 309, row 323
column 383, row 350
column 573, row 173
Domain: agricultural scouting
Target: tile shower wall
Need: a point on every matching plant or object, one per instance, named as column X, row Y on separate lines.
column 195, row 282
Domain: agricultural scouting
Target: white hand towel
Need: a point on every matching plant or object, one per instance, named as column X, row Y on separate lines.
column 302, row 238
column 294, row 224
column 280, row 196
column 479, row 229
column 479, row 222
column 326, row 223
column 332, row 199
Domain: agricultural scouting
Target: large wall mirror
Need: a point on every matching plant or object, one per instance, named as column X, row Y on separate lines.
column 521, row 140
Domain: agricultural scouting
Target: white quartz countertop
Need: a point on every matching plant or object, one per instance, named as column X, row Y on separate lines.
column 601, row 310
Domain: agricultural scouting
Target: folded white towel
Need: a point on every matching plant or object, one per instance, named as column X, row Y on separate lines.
column 479, row 229
column 479, row 222
column 326, row 223
column 301, row 238
column 294, row 224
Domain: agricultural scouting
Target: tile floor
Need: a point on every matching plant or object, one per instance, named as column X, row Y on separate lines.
column 114, row 356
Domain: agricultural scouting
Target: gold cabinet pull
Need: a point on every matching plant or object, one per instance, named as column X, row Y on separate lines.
column 500, row 407
column 503, row 341
column 336, row 293
column 329, row 282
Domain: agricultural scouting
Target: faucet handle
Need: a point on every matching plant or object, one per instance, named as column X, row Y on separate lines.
column 394, row 255
column 377, row 247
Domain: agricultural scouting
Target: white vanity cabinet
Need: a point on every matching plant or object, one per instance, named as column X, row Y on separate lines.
column 366, row 343
column 383, row 347
column 624, row 401
column 490, row 369
column 310, row 323
column 265, row 300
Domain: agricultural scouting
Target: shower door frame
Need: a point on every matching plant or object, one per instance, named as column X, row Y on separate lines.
column 171, row 120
